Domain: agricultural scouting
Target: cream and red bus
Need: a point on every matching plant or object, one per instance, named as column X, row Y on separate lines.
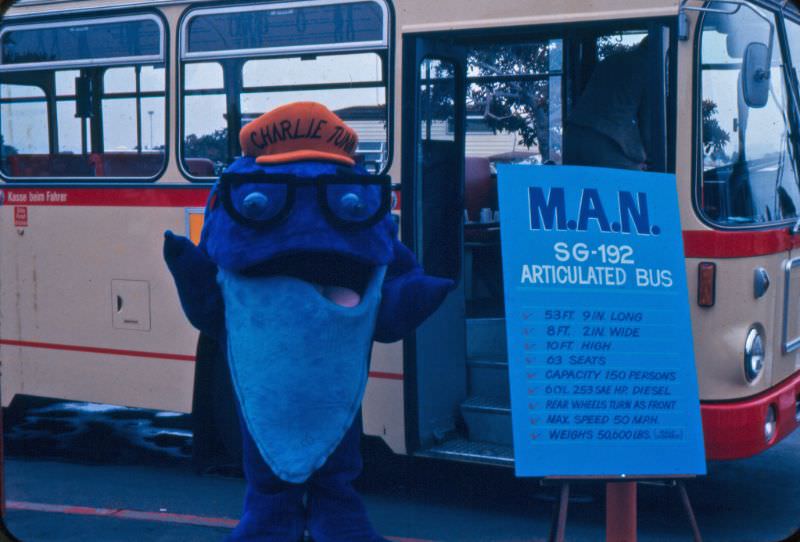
column 116, row 117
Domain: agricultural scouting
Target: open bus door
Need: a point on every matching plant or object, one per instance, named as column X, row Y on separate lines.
column 433, row 173
column 480, row 100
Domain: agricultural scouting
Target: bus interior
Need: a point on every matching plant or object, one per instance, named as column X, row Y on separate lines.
column 522, row 102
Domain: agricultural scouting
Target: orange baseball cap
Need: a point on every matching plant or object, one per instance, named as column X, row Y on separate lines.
column 299, row 131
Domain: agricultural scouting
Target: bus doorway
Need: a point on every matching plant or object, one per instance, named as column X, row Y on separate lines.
column 522, row 100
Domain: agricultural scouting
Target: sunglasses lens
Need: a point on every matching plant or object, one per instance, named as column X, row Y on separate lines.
column 354, row 203
column 258, row 202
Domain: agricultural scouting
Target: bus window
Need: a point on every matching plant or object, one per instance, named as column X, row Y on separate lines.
column 205, row 142
column 98, row 40
column 23, row 111
column 437, row 101
column 438, row 152
column 749, row 174
column 618, row 42
column 133, row 119
column 69, row 123
column 99, row 110
column 334, row 53
column 350, row 85
column 793, row 35
column 250, row 28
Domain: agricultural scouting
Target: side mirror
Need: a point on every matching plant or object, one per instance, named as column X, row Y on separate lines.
column 755, row 75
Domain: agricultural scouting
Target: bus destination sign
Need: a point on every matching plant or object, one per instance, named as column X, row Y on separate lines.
column 601, row 359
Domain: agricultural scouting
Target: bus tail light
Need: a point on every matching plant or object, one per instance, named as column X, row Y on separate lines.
column 706, row 284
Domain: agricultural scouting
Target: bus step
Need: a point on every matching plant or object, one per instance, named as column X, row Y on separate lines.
column 488, row 377
column 488, row 419
column 472, row 452
column 486, row 338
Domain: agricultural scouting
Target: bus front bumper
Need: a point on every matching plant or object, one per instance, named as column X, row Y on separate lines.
column 736, row 429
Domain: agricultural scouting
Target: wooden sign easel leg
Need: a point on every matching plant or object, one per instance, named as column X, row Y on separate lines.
column 621, row 512
column 687, row 505
column 559, row 526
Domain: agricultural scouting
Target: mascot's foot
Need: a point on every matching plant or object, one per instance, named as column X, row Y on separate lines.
column 278, row 517
column 339, row 516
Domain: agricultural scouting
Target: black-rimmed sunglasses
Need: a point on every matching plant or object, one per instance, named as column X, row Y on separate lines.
column 348, row 201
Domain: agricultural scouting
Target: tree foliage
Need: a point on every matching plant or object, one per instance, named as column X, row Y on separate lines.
column 213, row 146
column 509, row 87
column 715, row 139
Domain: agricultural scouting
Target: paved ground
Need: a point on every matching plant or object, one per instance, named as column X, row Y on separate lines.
column 122, row 475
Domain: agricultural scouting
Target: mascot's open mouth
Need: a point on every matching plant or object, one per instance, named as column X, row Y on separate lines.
column 340, row 278
column 299, row 331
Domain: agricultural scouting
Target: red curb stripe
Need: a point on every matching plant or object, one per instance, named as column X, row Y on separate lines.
column 94, row 350
column 386, row 376
column 119, row 513
column 164, row 517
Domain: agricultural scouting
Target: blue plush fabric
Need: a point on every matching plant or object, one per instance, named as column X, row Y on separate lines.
column 299, row 384
column 271, row 352
column 196, row 279
column 274, row 511
column 409, row 296
column 234, row 246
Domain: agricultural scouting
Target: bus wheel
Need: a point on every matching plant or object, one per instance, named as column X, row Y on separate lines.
column 217, row 444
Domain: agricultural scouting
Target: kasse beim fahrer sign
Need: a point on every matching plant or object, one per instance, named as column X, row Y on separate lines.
column 602, row 372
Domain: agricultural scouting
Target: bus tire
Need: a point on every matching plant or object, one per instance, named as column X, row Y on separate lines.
column 217, row 443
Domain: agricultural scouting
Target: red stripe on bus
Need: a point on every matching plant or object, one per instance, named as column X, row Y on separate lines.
column 697, row 244
column 150, row 196
column 740, row 244
column 164, row 517
column 94, row 350
column 386, row 376
column 142, row 354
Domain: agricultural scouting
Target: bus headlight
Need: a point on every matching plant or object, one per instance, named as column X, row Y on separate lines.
column 770, row 424
column 753, row 355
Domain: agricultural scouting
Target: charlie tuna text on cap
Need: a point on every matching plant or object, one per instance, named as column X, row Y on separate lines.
column 299, row 131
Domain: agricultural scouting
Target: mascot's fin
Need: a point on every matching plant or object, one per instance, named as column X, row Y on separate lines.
column 409, row 296
column 196, row 279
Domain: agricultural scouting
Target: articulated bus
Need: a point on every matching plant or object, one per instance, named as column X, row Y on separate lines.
column 116, row 117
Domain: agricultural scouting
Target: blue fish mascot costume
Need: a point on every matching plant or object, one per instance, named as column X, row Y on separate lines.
column 298, row 269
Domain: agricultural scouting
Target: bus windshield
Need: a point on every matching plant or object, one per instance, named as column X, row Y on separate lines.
column 749, row 167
